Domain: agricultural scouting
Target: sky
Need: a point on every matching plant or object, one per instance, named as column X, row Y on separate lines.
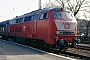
column 11, row 8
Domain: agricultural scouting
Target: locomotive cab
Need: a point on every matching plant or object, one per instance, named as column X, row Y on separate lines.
column 66, row 28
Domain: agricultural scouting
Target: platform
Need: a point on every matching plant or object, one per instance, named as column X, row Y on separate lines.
column 11, row 51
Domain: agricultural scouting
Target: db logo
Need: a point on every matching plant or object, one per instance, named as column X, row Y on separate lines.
column 66, row 25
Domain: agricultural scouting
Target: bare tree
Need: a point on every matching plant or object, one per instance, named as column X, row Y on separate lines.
column 73, row 5
column 77, row 7
column 87, row 16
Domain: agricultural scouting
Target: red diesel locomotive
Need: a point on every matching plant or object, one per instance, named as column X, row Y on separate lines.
column 52, row 28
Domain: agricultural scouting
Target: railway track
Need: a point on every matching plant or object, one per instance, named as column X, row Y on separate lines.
column 73, row 53
column 83, row 46
column 78, row 53
column 82, row 51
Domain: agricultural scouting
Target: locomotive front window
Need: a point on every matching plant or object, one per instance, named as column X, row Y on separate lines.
column 68, row 15
column 58, row 15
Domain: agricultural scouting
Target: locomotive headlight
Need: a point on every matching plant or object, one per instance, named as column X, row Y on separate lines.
column 57, row 32
column 74, row 32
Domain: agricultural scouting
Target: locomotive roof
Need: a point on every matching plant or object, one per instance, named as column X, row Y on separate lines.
column 38, row 12
column 4, row 22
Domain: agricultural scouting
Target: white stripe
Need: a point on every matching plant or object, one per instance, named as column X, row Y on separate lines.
column 60, row 25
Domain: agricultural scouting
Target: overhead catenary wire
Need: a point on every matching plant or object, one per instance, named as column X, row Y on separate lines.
column 8, row 4
column 18, row 8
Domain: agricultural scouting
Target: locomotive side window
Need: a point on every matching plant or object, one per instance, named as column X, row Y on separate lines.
column 28, row 18
column 35, row 17
column 41, row 16
column 44, row 16
column 14, row 21
column 11, row 22
column 58, row 15
column 17, row 21
column 2, row 29
column 21, row 20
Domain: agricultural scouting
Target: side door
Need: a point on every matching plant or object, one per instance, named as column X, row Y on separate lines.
column 34, row 29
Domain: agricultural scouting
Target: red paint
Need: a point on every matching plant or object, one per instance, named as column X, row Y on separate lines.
column 41, row 29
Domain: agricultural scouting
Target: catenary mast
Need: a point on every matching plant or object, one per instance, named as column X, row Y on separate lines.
column 39, row 4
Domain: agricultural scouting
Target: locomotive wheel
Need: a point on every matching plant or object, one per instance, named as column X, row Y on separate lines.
column 73, row 45
column 63, row 48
